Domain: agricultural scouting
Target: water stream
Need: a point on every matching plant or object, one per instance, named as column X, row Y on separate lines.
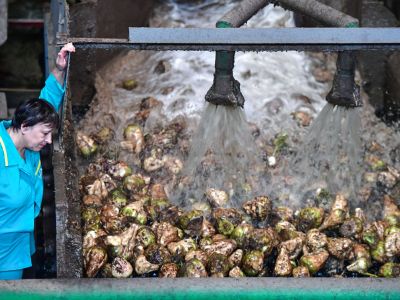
column 331, row 153
column 223, row 156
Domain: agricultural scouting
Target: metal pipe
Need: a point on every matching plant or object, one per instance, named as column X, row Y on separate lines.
column 320, row 12
column 241, row 13
column 323, row 13
column 226, row 89
column 345, row 92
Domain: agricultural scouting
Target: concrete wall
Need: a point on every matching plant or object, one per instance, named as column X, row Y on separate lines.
column 100, row 19
column 3, row 21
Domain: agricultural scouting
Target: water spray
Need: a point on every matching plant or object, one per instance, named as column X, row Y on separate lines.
column 331, row 153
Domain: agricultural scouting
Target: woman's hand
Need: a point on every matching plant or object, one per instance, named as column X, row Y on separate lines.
column 61, row 61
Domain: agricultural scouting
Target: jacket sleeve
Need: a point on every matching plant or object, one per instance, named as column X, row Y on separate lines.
column 52, row 92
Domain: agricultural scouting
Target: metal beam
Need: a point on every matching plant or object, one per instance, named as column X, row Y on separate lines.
column 250, row 39
column 265, row 36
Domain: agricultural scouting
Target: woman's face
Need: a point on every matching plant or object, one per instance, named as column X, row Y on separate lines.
column 37, row 136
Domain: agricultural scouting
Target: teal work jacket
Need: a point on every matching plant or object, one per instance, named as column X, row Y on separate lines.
column 21, row 191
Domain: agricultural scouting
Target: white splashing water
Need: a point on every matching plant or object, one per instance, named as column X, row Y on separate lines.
column 270, row 81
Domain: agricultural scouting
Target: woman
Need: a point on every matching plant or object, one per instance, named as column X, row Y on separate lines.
column 21, row 185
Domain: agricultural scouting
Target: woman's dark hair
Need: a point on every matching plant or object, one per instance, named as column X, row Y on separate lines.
column 34, row 111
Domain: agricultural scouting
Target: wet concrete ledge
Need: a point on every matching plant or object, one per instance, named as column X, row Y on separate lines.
column 203, row 288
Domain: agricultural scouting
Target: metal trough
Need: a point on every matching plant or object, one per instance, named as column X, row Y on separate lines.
column 71, row 285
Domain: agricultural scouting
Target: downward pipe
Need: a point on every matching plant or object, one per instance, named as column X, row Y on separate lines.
column 345, row 92
column 226, row 89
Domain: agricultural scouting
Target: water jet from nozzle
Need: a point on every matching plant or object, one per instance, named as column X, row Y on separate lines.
column 331, row 153
column 223, row 156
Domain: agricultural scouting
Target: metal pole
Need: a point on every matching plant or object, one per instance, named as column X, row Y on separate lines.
column 226, row 89
column 241, row 13
column 320, row 12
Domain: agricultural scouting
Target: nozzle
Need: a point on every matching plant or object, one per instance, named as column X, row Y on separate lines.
column 345, row 92
column 225, row 89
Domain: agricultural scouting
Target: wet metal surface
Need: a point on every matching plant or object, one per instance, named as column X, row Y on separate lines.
column 250, row 39
column 265, row 36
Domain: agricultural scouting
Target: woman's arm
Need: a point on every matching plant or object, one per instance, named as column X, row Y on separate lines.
column 61, row 63
column 53, row 90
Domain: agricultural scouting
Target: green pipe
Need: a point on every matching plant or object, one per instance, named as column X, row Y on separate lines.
column 224, row 24
column 225, row 89
column 345, row 92
column 224, row 60
column 199, row 289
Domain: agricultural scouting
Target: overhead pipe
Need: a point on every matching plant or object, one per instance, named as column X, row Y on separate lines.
column 226, row 89
column 345, row 92
column 322, row 13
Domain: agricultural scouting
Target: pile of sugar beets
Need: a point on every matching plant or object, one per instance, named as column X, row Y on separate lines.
column 131, row 229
